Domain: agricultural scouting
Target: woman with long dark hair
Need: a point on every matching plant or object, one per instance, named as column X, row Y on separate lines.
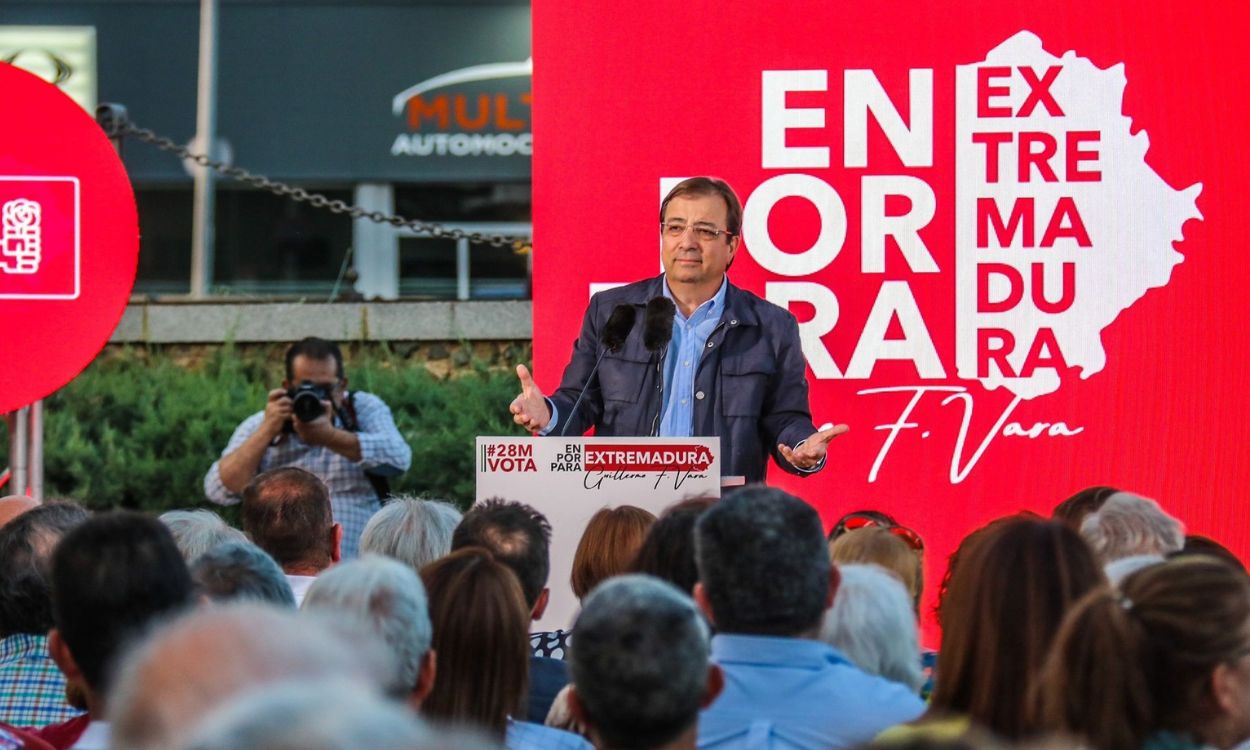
column 1161, row 664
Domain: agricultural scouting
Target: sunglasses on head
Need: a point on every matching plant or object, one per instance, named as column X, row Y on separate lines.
column 856, row 521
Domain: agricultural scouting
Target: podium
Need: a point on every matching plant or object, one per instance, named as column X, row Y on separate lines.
column 568, row 479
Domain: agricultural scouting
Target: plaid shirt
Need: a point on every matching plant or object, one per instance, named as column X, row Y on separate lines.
column 32, row 689
column 353, row 498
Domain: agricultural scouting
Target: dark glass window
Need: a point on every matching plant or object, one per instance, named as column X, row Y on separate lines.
column 265, row 244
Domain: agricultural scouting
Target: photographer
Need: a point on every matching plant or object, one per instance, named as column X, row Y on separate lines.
column 348, row 439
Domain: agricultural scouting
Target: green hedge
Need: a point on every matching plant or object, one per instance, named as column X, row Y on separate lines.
column 138, row 430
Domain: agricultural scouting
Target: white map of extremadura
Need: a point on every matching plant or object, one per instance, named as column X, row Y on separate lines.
column 1048, row 175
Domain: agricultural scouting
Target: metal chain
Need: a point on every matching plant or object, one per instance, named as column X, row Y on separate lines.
column 119, row 127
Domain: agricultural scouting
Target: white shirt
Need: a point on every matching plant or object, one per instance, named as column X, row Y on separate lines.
column 299, row 586
column 94, row 737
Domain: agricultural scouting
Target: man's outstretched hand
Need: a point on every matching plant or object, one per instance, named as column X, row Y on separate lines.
column 530, row 408
column 812, row 451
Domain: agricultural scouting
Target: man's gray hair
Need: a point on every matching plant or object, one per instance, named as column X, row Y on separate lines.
column 873, row 624
column 639, row 661
column 335, row 715
column 241, row 571
column 411, row 530
column 197, row 531
column 763, row 562
column 202, row 660
column 390, row 598
column 1128, row 525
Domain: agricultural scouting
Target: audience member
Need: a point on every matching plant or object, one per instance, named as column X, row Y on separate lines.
column 1072, row 512
column 873, row 624
column 1129, row 532
column 1014, row 581
column 13, row 506
column 765, row 581
column 203, row 660
column 241, row 571
column 414, row 531
column 608, row 546
column 878, row 545
column 197, row 531
column 1207, row 547
column 640, row 666
column 287, row 513
column 1164, row 663
column 667, row 552
column 334, row 715
column 477, row 608
column 520, row 538
column 859, row 519
column 32, row 689
column 388, row 596
column 114, row 576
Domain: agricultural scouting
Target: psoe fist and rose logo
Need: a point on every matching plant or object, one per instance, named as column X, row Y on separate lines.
column 39, row 237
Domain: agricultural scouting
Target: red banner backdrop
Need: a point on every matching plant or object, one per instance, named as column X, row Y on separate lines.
column 1012, row 233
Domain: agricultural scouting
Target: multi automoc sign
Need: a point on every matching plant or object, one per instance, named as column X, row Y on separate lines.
column 481, row 110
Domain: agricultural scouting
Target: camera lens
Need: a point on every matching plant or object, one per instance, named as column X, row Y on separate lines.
column 307, row 406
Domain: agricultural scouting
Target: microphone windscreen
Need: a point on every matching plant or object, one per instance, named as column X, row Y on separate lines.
column 658, row 329
column 619, row 324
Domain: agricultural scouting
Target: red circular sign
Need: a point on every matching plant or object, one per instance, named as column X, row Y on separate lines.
column 69, row 238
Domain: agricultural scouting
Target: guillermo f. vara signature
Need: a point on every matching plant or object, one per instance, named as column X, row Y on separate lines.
column 959, row 468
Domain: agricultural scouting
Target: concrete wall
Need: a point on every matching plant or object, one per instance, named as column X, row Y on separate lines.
column 260, row 322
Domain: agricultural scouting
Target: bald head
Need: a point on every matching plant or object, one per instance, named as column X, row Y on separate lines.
column 203, row 660
column 13, row 506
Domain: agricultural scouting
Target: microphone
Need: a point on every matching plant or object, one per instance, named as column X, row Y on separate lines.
column 619, row 324
column 615, row 332
column 658, row 323
column 657, row 332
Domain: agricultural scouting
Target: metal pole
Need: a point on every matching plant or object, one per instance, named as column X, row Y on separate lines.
column 19, row 450
column 462, row 269
column 36, row 451
column 206, row 134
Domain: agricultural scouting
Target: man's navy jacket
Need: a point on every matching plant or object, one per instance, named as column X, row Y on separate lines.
column 750, row 387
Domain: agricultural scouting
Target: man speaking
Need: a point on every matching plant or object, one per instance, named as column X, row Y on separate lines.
column 687, row 353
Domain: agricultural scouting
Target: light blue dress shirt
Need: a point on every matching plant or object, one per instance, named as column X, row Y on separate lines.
column 522, row 735
column 797, row 694
column 690, row 336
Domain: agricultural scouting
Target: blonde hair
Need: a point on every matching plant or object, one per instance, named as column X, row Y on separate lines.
column 878, row 546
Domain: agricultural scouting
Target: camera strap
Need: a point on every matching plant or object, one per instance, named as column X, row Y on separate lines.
column 347, row 415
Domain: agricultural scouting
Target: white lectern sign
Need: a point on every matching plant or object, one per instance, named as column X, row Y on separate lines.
column 569, row 479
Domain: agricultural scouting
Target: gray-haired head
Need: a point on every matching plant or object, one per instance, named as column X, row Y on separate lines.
column 390, row 598
column 241, row 571
column 639, row 662
column 201, row 661
column 335, row 715
column 763, row 564
column 411, row 530
column 873, row 624
column 1128, row 525
column 197, row 531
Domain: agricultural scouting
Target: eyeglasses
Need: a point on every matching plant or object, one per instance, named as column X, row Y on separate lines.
column 702, row 232
column 854, row 521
